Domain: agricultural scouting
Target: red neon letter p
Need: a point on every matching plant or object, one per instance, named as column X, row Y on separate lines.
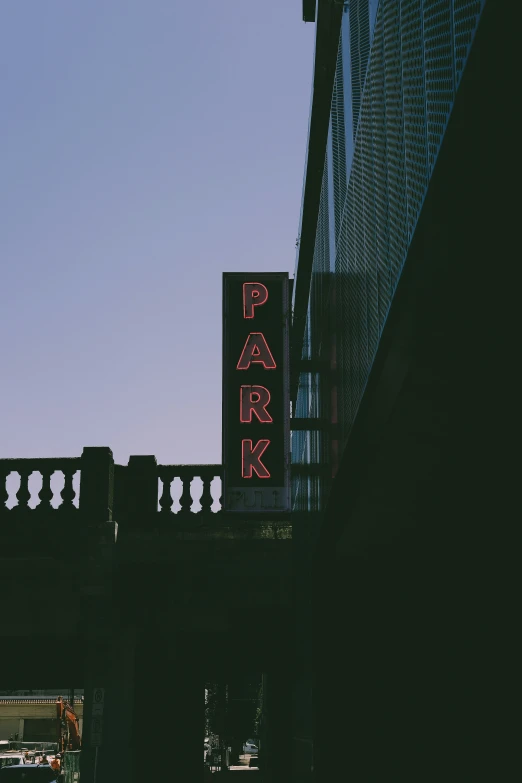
column 254, row 294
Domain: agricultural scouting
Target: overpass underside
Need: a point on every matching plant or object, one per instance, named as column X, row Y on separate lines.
column 149, row 609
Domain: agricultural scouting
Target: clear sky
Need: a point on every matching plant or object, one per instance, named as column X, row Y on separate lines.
column 147, row 147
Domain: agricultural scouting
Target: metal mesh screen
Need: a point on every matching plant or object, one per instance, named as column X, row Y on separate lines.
column 310, row 447
column 339, row 173
column 359, row 50
column 402, row 96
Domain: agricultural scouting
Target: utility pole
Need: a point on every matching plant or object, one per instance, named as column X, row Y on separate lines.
column 72, row 705
column 222, row 706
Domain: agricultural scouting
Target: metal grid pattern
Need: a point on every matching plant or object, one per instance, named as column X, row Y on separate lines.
column 359, row 49
column 307, row 447
column 402, row 100
column 339, row 172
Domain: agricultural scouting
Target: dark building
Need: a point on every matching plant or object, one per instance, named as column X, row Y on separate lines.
column 397, row 71
column 400, row 349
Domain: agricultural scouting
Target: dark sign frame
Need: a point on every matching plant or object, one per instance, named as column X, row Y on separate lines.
column 256, row 392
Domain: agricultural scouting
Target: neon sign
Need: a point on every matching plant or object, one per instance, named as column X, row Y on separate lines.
column 256, row 428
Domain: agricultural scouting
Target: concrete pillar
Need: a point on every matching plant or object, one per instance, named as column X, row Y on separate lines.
column 337, row 681
column 21, row 729
column 305, row 534
column 97, row 483
column 141, row 493
column 169, row 709
column 96, row 676
column 96, row 499
column 275, row 750
column 116, row 756
column 187, row 720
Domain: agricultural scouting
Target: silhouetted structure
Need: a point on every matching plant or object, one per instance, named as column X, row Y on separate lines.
column 148, row 600
column 375, row 597
column 400, row 320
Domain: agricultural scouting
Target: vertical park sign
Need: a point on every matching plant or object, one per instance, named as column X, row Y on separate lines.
column 256, row 403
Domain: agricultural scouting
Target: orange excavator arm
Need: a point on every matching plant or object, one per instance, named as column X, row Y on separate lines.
column 69, row 731
column 74, row 728
column 59, row 719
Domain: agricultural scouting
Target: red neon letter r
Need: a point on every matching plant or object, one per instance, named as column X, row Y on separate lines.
column 254, row 399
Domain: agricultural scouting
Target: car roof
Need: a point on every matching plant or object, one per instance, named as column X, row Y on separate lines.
column 20, row 769
column 31, row 766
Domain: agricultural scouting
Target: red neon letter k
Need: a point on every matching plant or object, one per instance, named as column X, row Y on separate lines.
column 251, row 459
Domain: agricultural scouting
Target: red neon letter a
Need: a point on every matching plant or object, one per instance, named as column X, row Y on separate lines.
column 251, row 459
column 254, row 294
column 255, row 351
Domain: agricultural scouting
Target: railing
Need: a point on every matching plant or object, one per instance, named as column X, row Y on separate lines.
column 99, row 491
column 64, row 500
column 187, row 474
column 99, row 494
column 28, row 700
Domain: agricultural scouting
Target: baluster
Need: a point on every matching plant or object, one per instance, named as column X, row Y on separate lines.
column 46, row 493
column 166, row 501
column 23, row 495
column 4, row 494
column 67, row 494
column 206, row 496
column 186, row 498
column 221, row 500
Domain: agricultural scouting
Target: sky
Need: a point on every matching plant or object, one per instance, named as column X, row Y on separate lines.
column 147, row 146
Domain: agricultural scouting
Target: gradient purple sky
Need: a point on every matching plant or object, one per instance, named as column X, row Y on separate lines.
column 147, row 147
